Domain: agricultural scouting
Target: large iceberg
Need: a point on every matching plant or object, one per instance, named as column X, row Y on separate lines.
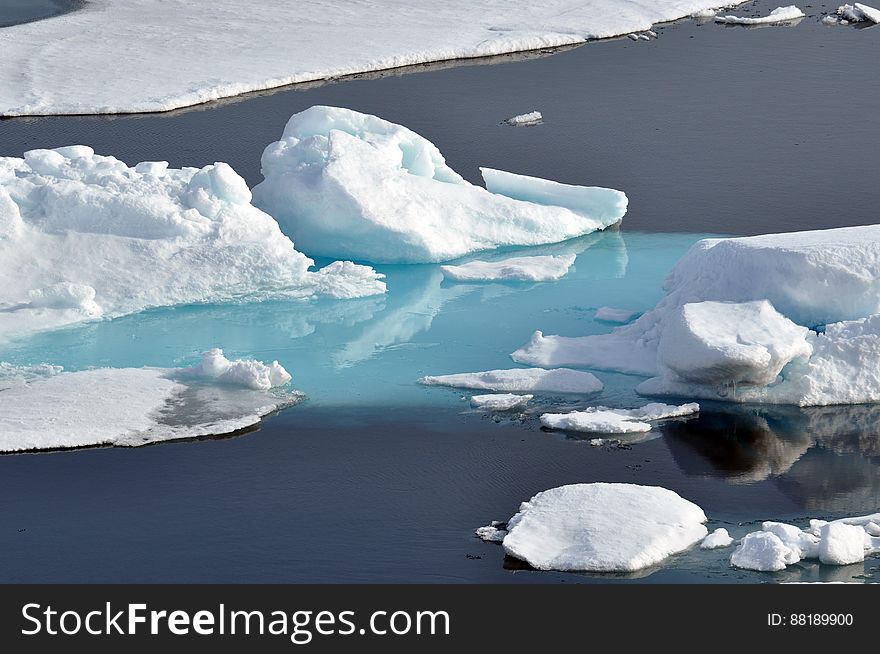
column 45, row 408
column 176, row 53
column 351, row 185
column 601, row 528
column 84, row 235
column 782, row 318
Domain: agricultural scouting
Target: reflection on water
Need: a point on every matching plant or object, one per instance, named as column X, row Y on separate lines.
column 826, row 459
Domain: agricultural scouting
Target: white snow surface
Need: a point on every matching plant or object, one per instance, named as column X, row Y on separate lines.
column 858, row 12
column 732, row 324
column 603, row 527
column 46, row 408
column 491, row 533
column 546, row 268
column 500, row 401
column 530, row 118
column 177, row 53
column 352, row 185
column 716, row 540
column 777, row 545
column 610, row 314
column 84, row 236
column 603, row 420
column 520, row 380
column 778, row 15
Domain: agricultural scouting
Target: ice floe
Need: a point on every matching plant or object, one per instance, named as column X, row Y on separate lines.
column 778, row 545
column 520, row 380
column 45, row 408
column 84, row 235
column 177, row 54
column 522, row 120
column 603, row 420
column 601, row 528
column 716, row 540
column 500, row 401
column 521, row 269
column 857, row 13
column 352, row 185
column 492, row 533
column 778, row 15
column 738, row 320
column 620, row 316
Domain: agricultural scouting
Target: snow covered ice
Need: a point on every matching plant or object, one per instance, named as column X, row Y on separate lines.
column 184, row 52
column 521, row 269
column 500, row 401
column 603, row 420
column 531, row 118
column 46, row 408
column 84, row 236
column 778, row 15
column 716, row 540
column 352, row 185
column 858, row 12
column 737, row 323
column 520, row 380
column 602, row 528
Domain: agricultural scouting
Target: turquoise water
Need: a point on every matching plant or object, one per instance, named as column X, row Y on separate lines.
column 371, row 351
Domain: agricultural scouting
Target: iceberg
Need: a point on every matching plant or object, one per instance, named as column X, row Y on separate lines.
column 178, row 54
column 84, row 236
column 44, row 408
column 602, row 528
column 602, row 420
column 520, row 269
column 531, row 118
column 344, row 184
column 777, row 319
column 500, row 401
column 778, row 15
column 520, row 380
column 716, row 540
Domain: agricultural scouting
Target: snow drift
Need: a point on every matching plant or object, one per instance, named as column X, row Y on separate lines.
column 84, row 235
column 351, row 185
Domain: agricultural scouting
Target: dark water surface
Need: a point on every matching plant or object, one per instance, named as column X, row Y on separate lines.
column 707, row 129
column 16, row 12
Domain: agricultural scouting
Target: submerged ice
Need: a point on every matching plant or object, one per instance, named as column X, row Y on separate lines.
column 84, row 235
column 519, row 380
column 352, row 185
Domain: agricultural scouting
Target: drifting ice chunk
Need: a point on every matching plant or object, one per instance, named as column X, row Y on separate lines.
column 602, row 420
column 492, row 533
column 132, row 406
column 518, row 380
column 524, row 269
column 762, row 551
column 778, row 15
column 531, row 118
column 83, row 235
column 842, row 544
column 740, row 343
column 241, row 372
column 716, row 540
column 858, row 12
column 603, row 527
column 610, row 314
column 500, row 401
column 351, row 184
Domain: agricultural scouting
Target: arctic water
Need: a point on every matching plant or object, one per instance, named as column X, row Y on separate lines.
column 375, row 478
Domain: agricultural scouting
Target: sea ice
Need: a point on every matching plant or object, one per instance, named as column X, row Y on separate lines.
column 858, row 12
column 620, row 316
column 177, row 53
column 531, row 118
column 520, row 380
column 523, row 269
column 500, row 401
column 762, row 551
column 343, row 183
column 778, row 15
column 84, row 235
column 603, row 527
column 135, row 406
column 716, row 540
column 602, row 420
column 841, row 544
column 491, row 533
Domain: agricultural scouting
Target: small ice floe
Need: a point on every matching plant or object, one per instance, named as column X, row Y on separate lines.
column 618, row 316
column 778, row 545
column 642, row 36
column 546, row 268
column 493, row 532
column 857, row 13
column 777, row 16
column 351, row 185
column 601, row 528
column 523, row 120
column 717, row 540
column 500, row 401
column 520, row 380
column 136, row 406
column 830, row 19
column 602, row 420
